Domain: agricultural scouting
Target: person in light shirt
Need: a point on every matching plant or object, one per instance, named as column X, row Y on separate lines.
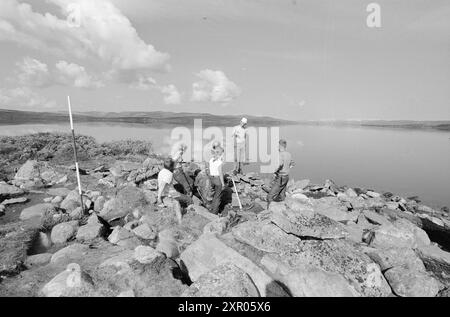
column 240, row 141
column 281, row 175
column 167, row 195
column 216, row 176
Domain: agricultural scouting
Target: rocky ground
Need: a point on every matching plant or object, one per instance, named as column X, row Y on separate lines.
column 324, row 240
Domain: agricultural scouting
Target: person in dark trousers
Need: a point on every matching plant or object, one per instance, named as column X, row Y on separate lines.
column 217, row 180
column 185, row 182
column 281, row 176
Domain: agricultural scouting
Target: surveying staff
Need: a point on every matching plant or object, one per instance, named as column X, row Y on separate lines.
column 281, row 176
column 240, row 140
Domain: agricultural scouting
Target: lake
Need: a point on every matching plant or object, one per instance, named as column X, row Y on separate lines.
column 404, row 162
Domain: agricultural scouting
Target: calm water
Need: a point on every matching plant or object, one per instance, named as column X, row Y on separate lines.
column 405, row 162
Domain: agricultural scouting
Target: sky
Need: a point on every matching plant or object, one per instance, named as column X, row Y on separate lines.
column 290, row 59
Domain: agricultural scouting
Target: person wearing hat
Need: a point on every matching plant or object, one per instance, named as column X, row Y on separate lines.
column 281, row 176
column 240, row 140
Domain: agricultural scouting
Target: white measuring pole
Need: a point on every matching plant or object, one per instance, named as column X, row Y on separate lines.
column 239, row 201
column 75, row 153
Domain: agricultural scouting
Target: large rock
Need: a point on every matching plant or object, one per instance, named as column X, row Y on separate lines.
column 145, row 232
column 72, row 282
column 265, row 236
column 63, row 232
column 28, row 171
column 333, row 208
column 400, row 233
column 300, row 219
column 37, row 260
column 395, row 257
column 93, row 229
column 226, row 280
column 37, row 211
column 9, row 191
column 146, row 254
column 376, row 218
column 124, row 238
column 406, row 282
column 308, row 280
column 72, row 253
column 127, row 200
column 437, row 261
column 341, row 257
column 209, row 252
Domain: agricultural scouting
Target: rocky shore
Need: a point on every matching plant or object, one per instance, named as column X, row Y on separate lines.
column 324, row 240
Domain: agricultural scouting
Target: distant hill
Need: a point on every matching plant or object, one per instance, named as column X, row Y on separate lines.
column 401, row 124
column 152, row 118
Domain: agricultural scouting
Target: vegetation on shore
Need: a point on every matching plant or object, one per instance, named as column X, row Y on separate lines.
column 58, row 147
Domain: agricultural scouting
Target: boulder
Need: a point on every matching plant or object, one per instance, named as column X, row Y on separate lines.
column 406, row 282
column 72, row 282
column 209, row 252
column 28, row 171
column 265, row 236
column 145, row 232
column 72, row 253
column 37, row 260
column 118, row 234
column 436, row 261
column 128, row 199
column 395, row 257
column 145, row 254
column 376, row 218
column 307, row 280
column 400, row 233
column 344, row 258
column 90, row 231
column 300, row 219
column 37, row 211
column 63, row 232
column 13, row 201
column 99, row 203
column 331, row 207
column 226, row 280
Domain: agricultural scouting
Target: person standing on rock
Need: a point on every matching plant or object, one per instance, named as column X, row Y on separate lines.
column 186, row 183
column 216, row 176
column 167, row 195
column 240, row 145
column 281, row 176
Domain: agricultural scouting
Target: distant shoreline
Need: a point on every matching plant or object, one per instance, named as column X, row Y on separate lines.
column 160, row 118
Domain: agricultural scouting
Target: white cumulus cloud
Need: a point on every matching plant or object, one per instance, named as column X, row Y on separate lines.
column 214, row 86
column 75, row 75
column 31, row 72
column 171, row 95
column 24, row 97
column 104, row 33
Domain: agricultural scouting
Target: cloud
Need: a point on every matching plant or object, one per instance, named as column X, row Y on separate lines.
column 31, row 72
column 76, row 75
column 104, row 33
column 171, row 95
column 143, row 82
column 214, row 86
column 24, row 97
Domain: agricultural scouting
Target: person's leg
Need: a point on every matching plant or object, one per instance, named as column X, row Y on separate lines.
column 274, row 190
column 241, row 157
column 217, row 194
column 283, row 186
